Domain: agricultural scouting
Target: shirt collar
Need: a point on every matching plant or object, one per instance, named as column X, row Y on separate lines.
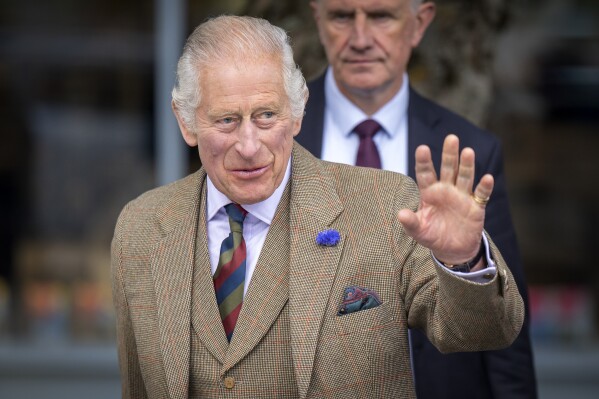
column 346, row 115
column 264, row 210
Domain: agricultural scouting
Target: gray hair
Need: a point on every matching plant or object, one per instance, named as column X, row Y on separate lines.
column 415, row 3
column 234, row 39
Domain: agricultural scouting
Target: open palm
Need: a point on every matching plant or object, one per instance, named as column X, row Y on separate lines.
column 449, row 221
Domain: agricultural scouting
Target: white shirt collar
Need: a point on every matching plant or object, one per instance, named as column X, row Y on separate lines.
column 346, row 115
column 264, row 210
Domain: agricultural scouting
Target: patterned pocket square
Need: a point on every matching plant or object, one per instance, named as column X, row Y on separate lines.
column 357, row 298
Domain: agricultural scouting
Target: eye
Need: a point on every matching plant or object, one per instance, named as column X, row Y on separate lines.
column 341, row 16
column 227, row 123
column 380, row 16
column 265, row 116
column 265, row 119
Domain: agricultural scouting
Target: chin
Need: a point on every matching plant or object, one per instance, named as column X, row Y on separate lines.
column 249, row 197
column 252, row 191
column 362, row 81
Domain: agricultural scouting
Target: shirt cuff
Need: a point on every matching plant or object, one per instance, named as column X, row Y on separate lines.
column 479, row 276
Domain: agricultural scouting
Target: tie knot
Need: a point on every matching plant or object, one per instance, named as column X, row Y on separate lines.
column 367, row 128
column 236, row 213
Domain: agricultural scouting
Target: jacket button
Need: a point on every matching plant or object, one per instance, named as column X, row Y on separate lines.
column 229, row 382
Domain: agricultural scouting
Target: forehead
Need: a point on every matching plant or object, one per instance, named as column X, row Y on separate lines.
column 228, row 83
column 364, row 4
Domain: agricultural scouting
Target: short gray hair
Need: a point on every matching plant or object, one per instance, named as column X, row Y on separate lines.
column 234, row 39
column 415, row 3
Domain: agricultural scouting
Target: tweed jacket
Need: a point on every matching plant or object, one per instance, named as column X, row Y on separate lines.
column 502, row 374
column 363, row 354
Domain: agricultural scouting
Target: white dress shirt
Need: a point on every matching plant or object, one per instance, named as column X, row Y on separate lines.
column 255, row 226
column 340, row 144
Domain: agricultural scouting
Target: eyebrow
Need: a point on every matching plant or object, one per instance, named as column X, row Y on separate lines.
column 340, row 11
column 218, row 112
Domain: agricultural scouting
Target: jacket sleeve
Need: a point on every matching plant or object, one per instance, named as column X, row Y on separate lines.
column 456, row 314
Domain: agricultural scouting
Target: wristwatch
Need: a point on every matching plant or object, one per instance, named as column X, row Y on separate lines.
column 465, row 267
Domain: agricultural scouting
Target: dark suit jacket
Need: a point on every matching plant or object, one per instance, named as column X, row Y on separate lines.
column 507, row 373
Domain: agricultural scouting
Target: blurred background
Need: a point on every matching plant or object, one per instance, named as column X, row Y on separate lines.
column 86, row 126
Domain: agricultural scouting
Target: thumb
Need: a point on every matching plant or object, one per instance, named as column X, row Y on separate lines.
column 409, row 220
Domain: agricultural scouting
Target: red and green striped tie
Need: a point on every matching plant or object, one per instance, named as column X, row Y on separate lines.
column 230, row 272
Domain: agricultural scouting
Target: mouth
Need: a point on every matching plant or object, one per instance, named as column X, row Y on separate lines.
column 249, row 173
column 360, row 61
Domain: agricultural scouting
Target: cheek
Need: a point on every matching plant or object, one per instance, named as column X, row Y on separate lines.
column 279, row 144
column 212, row 152
column 403, row 36
column 213, row 144
column 333, row 40
column 396, row 45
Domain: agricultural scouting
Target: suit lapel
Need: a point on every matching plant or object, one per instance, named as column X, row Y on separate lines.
column 268, row 290
column 310, row 136
column 421, row 130
column 205, row 316
column 172, row 268
column 314, row 207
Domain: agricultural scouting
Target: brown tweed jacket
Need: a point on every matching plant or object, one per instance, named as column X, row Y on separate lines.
column 161, row 236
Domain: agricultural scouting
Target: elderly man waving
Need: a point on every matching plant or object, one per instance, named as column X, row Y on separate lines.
column 271, row 274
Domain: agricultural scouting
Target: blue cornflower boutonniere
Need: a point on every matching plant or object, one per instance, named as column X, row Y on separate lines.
column 328, row 238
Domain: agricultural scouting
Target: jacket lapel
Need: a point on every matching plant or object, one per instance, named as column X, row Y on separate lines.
column 421, row 130
column 172, row 268
column 205, row 316
column 310, row 136
column 314, row 206
column 268, row 290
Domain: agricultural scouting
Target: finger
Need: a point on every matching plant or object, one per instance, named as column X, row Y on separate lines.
column 425, row 170
column 465, row 178
column 410, row 221
column 484, row 189
column 450, row 159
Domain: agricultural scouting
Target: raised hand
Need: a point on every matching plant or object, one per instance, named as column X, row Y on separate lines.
column 451, row 216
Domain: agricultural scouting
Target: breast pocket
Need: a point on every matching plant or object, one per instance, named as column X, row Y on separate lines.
column 365, row 320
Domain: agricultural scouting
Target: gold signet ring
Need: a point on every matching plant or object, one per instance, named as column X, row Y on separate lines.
column 480, row 201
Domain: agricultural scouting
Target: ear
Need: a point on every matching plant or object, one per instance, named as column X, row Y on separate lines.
column 424, row 16
column 316, row 9
column 315, row 14
column 190, row 137
column 297, row 126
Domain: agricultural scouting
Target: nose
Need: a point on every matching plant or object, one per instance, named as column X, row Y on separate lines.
column 248, row 143
column 361, row 35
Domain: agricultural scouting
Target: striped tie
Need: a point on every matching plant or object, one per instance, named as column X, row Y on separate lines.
column 230, row 272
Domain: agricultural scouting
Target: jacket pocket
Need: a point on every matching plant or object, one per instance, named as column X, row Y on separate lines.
column 365, row 320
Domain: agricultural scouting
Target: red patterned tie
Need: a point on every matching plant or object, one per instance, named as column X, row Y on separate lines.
column 368, row 154
column 229, row 277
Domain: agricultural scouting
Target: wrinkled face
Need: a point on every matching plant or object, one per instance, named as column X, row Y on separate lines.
column 368, row 42
column 244, row 129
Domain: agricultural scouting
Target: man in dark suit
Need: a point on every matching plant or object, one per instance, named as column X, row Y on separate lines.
column 269, row 273
column 368, row 44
